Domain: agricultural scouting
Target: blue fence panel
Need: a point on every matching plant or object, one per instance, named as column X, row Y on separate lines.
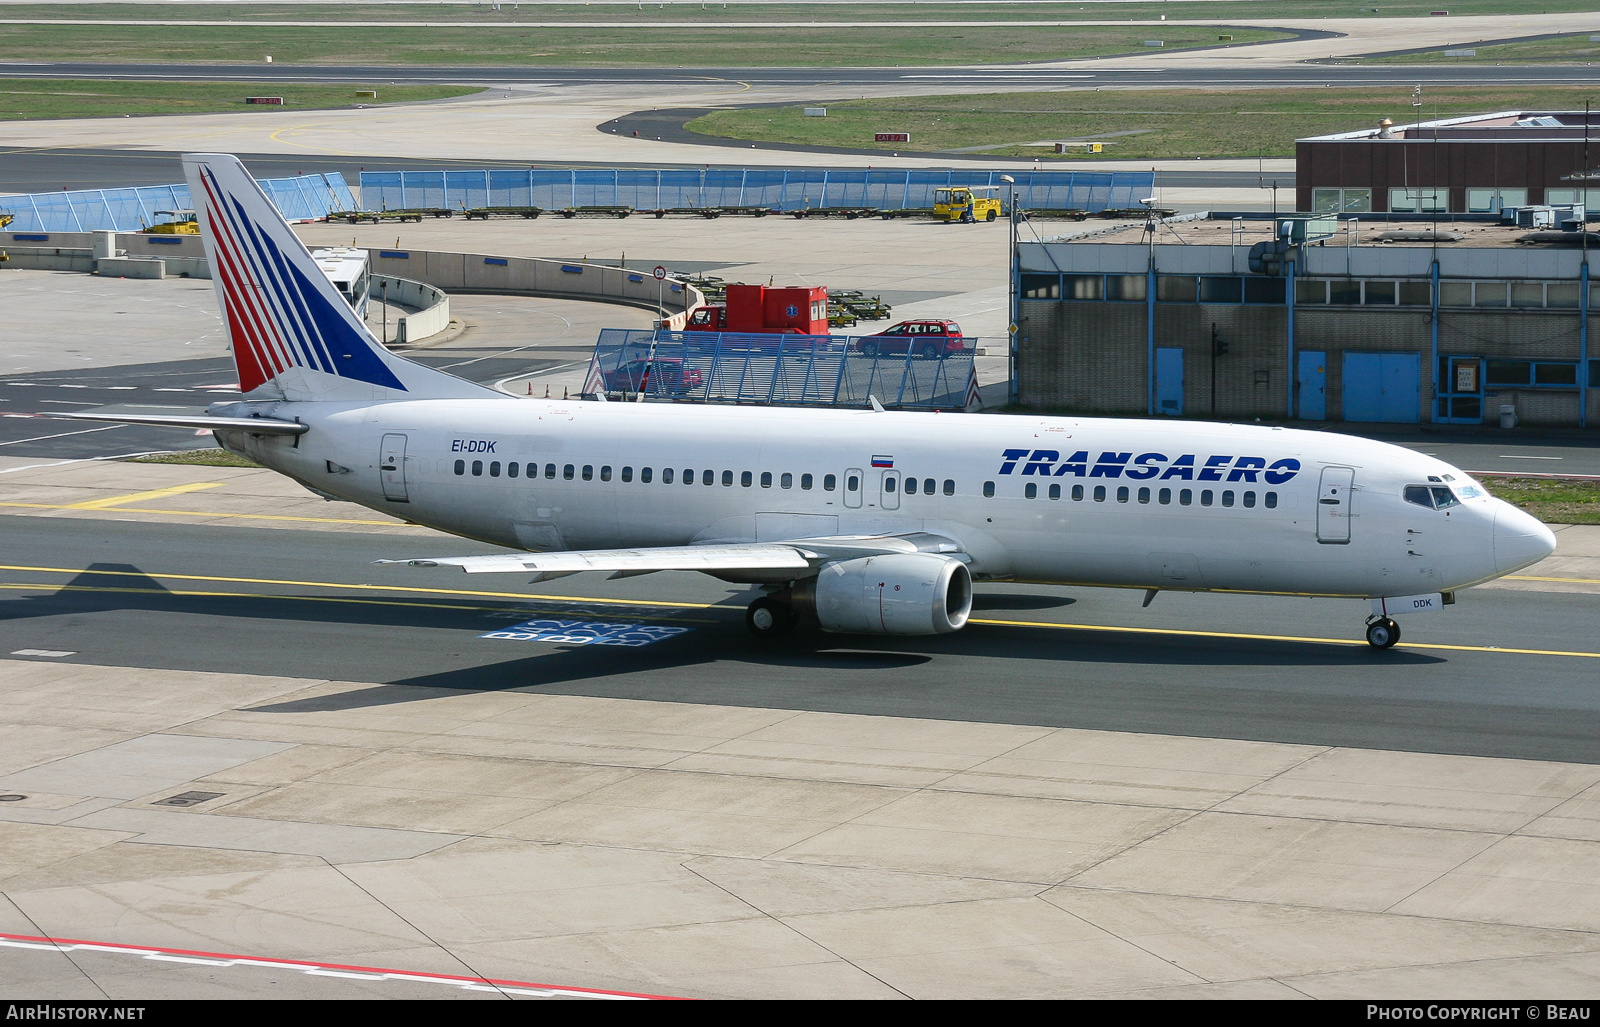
column 809, row 370
column 129, row 210
column 777, row 188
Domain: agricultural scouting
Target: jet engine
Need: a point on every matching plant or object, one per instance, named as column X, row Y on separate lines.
column 898, row 594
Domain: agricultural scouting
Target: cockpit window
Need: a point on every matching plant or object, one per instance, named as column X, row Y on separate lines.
column 1468, row 491
column 1434, row 497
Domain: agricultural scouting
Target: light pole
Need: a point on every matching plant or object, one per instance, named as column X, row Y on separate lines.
column 1012, row 392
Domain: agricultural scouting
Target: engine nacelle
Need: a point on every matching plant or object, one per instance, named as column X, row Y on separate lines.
column 899, row 594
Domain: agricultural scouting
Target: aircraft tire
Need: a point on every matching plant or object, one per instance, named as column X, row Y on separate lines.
column 1383, row 633
column 768, row 618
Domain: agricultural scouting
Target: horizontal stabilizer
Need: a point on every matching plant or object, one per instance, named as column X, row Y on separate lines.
column 254, row 425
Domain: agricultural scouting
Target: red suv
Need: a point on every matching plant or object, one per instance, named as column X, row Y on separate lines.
column 667, row 376
column 928, row 339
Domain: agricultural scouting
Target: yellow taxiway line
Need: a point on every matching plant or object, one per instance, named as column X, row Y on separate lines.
column 139, row 497
column 1163, row 632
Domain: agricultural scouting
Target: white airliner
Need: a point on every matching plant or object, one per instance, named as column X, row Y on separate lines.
column 871, row 522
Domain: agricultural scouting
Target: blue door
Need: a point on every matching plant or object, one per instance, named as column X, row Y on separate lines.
column 1383, row 387
column 1312, row 381
column 1169, row 381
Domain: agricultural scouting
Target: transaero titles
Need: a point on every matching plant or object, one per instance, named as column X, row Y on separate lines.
column 1047, row 463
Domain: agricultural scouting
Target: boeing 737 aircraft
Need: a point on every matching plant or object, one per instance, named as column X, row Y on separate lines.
column 871, row 522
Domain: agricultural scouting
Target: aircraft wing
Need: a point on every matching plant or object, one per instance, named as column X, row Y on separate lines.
column 803, row 556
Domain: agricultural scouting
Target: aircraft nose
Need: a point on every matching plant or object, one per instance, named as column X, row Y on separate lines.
column 1519, row 539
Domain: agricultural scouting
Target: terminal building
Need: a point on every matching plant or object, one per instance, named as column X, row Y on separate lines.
column 1340, row 317
column 1478, row 164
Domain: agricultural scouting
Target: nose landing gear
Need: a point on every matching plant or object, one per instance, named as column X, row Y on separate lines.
column 1382, row 632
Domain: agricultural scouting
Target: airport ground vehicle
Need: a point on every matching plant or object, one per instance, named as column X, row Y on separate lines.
column 928, row 339
column 180, row 222
column 863, row 521
column 762, row 309
column 967, row 203
column 663, row 375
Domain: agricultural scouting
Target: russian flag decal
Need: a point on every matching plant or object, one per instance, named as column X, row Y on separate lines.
column 883, row 461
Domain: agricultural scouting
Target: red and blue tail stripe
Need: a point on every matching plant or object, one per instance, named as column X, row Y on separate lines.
column 282, row 312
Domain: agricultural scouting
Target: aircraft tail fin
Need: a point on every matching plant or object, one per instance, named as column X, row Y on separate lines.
column 293, row 335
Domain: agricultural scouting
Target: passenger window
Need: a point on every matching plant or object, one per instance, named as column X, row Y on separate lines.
column 727, row 479
column 567, row 472
column 888, row 483
column 688, row 476
column 708, row 477
column 1144, row 496
column 494, row 468
column 666, row 476
column 1249, row 499
column 1055, row 492
column 1227, row 497
column 511, row 469
column 1185, row 497
column 461, row 467
column 1164, row 497
column 645, row 474
column 911, row 486
column 1122, row 494
column 627, row 474
column 477, row 468
column 746, row 479
column 549, row 470
column 829, row 482
column 1099, row 493
column 949, row 486
column 988, row 490
column 1272, row 501
column 852, row 484
column 1077, row 493
column 588, row 472
column 766, row 479
column 1205, row 497
column 1031, row 491
column 605, row 473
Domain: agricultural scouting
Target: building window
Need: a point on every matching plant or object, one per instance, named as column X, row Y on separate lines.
column 1379, row 294
column 1332, row 201
column 1221, row 290
column 1264, row 290
column 1344, row 290
column 1489, row 294
column 1083, row 287
column 1310, row 290
column 1492, row 201
column 1175, row 288
column 1419, row 199
column 1527, row 294
column 1526, row 373
column 1561, row 294
column 1041, row 287
column 1127, row 287
column 1416, row 294
column 1455, row 294
column 1590, row 198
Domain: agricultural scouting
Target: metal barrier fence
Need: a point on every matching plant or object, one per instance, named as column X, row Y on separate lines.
column 773, row 188
column 801, row 370
column 302, row 198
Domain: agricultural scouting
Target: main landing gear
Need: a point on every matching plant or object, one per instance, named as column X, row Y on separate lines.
column 769, row 618
column 1382, row 632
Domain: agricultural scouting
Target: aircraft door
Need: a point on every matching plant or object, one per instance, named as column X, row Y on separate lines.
column 1333, row 505
column 392, row 468
column 852, row 488
column 889, row 492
